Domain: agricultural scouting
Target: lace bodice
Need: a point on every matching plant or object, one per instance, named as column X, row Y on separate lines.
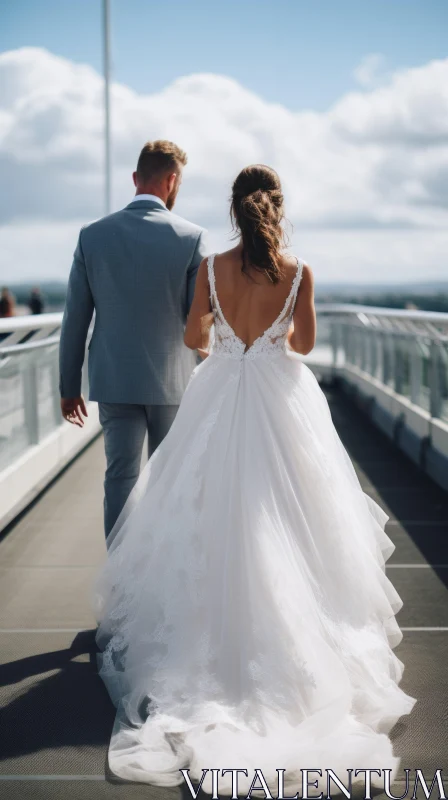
column 227, row 344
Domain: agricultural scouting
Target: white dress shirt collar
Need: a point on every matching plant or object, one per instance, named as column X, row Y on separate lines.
column 152, row 197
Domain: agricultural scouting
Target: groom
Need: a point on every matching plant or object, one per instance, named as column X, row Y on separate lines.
column 136, row 269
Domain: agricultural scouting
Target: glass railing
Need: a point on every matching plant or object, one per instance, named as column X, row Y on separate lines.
column 29, row 383
column 406, row 351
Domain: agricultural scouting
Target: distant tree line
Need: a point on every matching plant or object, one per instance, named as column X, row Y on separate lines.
column 54, row 295
column 423, row 302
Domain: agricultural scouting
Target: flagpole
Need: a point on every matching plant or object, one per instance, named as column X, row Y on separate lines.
column 106, row 69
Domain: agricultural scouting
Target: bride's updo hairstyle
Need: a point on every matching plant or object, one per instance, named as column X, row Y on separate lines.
column 257, row 213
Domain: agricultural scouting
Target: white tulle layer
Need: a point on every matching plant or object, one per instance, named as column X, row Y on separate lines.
column 246, row 620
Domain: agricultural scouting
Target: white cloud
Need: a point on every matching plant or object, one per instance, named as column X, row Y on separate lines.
column 35, row 250
column 365, row 181
column 371, row 71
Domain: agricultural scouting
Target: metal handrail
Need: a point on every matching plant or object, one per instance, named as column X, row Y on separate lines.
column 15, row 332
column 30, row 322
column 405, row 350
column 25, row 348
column 379, row 311
column 401, row 349
column 45, row 321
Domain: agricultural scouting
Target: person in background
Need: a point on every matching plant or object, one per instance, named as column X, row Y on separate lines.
column 36, row 303
column 7, row 303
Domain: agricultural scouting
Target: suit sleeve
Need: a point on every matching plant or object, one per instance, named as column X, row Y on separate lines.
column 199, row 254
column 78, row 313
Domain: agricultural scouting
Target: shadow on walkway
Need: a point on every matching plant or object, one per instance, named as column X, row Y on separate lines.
column 67, row 708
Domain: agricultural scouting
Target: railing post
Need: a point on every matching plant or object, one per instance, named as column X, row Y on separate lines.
column 347, row 343
column 334, row 334
column 373, row 353
column 356, row 347
column 416, row 372
column 30, row 401
column 386, row 359
column 392, row 359
column 380, row 355
column 434, row 380
column 398, row 365
column 363, row 353
column 55, row 389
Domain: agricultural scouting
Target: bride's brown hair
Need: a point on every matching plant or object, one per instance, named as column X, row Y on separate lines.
column 257, row 211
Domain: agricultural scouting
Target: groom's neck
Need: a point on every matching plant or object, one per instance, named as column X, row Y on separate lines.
column 150, row 190
column 147, row 191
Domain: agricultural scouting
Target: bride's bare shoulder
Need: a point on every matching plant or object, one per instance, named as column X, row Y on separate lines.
column 289, row 266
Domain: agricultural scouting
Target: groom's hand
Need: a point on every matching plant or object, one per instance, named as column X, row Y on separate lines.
column 73, row 409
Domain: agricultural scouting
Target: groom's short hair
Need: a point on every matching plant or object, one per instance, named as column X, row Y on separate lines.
column 159, row 157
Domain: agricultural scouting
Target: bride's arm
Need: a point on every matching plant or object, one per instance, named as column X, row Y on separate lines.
column 302, row 335
column 200, row 318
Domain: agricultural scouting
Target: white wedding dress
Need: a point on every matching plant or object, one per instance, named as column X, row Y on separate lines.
column 245, row 617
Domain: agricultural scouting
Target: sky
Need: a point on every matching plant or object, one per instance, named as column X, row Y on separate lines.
column 347, row 99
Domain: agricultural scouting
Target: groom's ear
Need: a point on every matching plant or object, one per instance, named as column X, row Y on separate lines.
column 134, row 178
column 172, row 180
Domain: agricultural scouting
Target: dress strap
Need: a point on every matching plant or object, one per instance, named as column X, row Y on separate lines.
column 290, row 301
column 296, row 282
column 211, row 280
column 216, row 306
column 211, row 272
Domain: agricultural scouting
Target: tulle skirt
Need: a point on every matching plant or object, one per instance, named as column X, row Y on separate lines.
column 245, row 616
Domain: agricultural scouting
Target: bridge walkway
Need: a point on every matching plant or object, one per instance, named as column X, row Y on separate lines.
column 57, row 717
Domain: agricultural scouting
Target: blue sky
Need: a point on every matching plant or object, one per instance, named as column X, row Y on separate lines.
column 347, row 99
column 301, row 54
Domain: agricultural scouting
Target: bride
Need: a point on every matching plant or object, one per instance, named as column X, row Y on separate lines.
column 245, row 616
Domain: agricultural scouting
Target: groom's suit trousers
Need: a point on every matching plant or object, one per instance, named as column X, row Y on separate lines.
column 125, row 426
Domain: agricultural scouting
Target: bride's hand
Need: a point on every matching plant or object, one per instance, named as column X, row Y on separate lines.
column 203, row 353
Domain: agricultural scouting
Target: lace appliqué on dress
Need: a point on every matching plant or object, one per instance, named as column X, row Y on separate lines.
column 271, row 343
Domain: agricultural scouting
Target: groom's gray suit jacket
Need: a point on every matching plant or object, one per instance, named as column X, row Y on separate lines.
column 136, row 269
